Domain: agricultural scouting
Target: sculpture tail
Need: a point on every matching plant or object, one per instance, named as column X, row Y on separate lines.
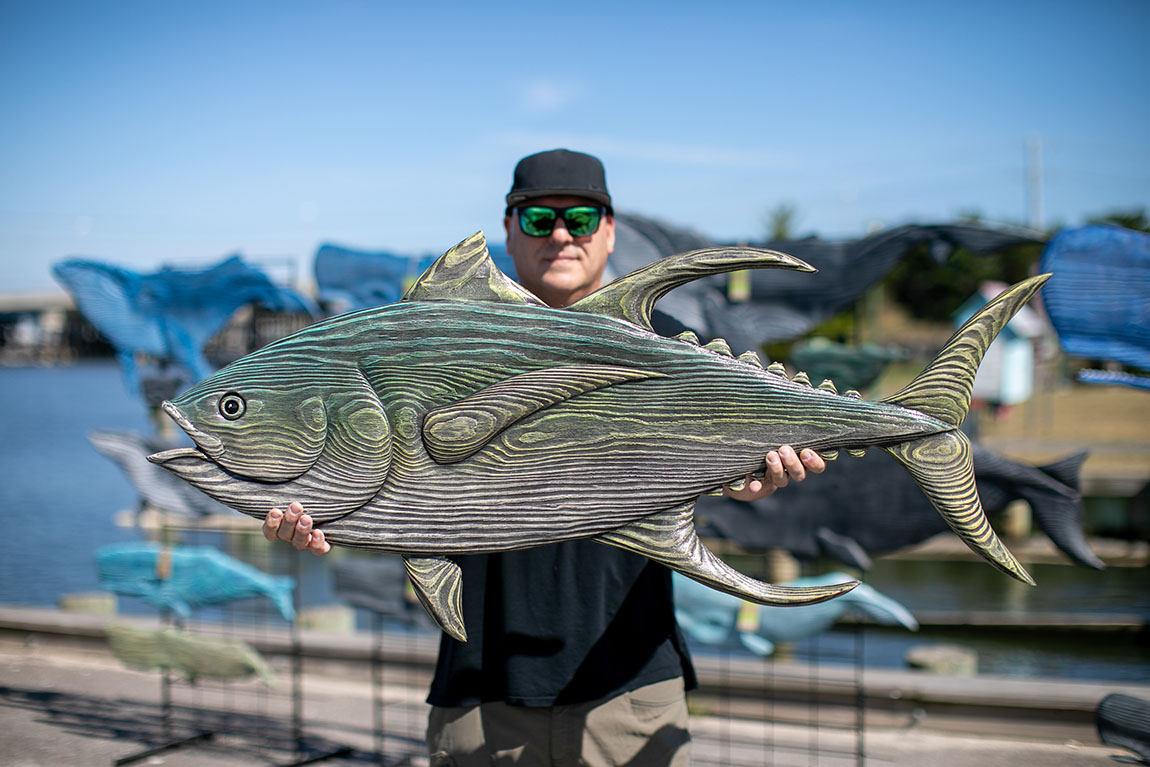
column 941, row 464
column 282, row 595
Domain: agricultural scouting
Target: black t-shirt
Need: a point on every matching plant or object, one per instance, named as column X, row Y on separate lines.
column 561, row 624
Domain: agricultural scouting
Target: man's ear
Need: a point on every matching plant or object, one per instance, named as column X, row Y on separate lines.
column 609, row 222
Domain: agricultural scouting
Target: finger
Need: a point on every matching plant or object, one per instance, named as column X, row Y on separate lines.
column 813, row 461
column 776, row 472
column 791, row 463
column 750, row 488
column 291, row 518
column 318, row 545
column 271, row 525
column 302, row 533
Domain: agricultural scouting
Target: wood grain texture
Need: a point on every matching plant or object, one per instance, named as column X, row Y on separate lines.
column 470, row 418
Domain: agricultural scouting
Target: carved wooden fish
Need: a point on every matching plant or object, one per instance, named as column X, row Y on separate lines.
column 469, row 417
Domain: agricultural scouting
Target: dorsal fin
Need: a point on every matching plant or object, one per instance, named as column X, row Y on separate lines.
column 1066, row 471
column 467, row 273
column 633, row 297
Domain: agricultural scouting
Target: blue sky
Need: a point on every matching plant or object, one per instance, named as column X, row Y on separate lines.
column 145, row 133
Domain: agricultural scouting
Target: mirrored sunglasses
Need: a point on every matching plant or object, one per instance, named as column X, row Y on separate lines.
column 580, row 220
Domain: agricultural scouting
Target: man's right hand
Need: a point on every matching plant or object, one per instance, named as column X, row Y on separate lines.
column 294, row 527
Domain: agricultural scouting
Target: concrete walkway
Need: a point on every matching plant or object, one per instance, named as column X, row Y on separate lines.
column 71, row 705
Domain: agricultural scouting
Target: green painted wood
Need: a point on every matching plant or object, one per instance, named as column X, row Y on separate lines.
column 470, row 418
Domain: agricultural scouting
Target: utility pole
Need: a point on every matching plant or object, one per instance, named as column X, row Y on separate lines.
column 1033, row 184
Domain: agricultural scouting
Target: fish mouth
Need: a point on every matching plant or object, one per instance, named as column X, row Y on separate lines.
column 210, row 446
column 177, row 454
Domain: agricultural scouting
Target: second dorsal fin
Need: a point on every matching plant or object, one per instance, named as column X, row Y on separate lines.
column 633, row 297
column 467, row 273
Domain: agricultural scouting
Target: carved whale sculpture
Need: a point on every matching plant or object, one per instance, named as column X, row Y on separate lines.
column 469, row 417
column 711, row 617
column 192, row 656
column 871, row 507
column 185, row 577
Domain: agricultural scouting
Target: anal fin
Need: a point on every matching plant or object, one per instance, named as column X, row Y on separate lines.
column 669, row 538
column 438, row 583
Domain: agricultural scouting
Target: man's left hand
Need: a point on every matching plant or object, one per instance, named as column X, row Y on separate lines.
column 783, row 467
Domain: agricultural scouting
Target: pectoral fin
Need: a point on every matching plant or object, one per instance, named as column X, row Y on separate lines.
column 669, row 537
column 438, row 583
column 459, row 430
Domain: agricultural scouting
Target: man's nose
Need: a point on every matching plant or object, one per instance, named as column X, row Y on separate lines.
column 559, row 232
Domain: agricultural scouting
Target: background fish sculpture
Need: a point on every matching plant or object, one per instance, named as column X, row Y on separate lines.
column 872, row 507
column 712, row 617
column 784, row 306
column 348, row 279
column 169, row 314
column 183, row 577
column 379, row 584
column 470, row 417
column 189, row 655
column 156, row 488
column 1100, row 303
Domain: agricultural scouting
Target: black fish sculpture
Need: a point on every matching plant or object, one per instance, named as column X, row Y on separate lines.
column 469, row 417
column 872, row 507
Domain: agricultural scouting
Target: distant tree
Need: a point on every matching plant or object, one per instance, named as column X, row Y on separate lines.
column 780, row 222
column 932, row 291
column 1135, row 218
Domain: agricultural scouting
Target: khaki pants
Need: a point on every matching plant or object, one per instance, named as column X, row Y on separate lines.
column 644, row 727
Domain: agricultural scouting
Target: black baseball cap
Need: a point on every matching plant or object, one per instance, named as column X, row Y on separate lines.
column 559, row 172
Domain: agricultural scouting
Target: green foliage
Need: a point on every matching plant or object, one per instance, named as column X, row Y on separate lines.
column 780, row 222
column 1135, row 218
column 933, row 291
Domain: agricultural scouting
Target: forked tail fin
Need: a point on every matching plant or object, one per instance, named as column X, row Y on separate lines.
column 942, row 467
column 941, row 464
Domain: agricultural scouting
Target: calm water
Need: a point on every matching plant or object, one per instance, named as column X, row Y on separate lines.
column 59, row 497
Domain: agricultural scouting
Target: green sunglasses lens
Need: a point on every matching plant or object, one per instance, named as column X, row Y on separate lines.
column 581, row 221
column 537, row 221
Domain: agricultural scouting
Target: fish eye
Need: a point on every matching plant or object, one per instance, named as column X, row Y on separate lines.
column 232, row 406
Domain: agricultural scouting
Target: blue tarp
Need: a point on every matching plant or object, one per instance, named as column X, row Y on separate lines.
column 1099, row 297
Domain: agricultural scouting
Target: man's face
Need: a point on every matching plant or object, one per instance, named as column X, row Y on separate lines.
column 559, row 268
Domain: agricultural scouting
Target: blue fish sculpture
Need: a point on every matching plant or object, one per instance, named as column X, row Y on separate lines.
column 1100, row 303
column 470, row 417
column 348, row 280
column 170, row 314
column 185, row 577
column 711, row 617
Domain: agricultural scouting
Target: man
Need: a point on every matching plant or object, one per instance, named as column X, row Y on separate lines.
column 573, row 656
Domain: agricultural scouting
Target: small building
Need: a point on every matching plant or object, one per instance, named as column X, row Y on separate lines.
column 1006, row 375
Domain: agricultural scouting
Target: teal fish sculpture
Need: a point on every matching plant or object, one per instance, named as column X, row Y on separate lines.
column 469, row 417
column 712, row 617
column 181, row 578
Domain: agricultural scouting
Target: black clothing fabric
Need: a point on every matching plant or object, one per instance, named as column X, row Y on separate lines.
column 567, row 623
column 562, row 624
